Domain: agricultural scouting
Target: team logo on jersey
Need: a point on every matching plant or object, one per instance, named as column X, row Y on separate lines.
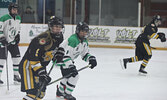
column 152, row 25
column 42, row 41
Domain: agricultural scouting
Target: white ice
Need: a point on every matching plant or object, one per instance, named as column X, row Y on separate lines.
column 108, row 81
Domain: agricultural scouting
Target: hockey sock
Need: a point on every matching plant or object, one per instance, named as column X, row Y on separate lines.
column 71, row 83
column 69, row 88
column 1, row 68
column 16, row 65
column 61, row 87
column 16, row 69
column 2, row 62
column 133, row 59
column 144, row 63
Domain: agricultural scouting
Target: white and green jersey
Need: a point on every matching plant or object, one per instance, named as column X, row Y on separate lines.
column 73, row 48
column 9, row 27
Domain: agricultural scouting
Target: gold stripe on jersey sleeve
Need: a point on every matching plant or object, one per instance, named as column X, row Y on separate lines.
column 154, row 36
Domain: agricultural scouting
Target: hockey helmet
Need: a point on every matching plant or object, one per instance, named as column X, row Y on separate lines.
column 55, row 21
column 12, row 5
column 82, row 26
column 58, row 32
column 157, row 20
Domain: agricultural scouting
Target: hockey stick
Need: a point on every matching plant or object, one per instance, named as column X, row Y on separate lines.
column 44, row 83
column 68, row 75
column 6, row 53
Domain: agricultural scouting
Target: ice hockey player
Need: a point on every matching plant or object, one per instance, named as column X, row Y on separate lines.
column 42, row 49
column 9, row 39
column 143, row 50
column 75, row 45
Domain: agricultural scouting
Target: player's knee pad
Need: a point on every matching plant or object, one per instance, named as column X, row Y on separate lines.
column 16, row 60
column 2, row 61
column 147, row 57
column 140, row 58
column 73, row 80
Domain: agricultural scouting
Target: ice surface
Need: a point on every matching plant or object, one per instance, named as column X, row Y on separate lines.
column 107, row 81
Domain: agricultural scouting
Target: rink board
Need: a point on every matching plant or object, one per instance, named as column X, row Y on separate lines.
column 99, row 36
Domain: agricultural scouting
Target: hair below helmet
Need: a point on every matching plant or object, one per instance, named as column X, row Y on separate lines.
column 55, row 21
column 82, row 26
column 12, row 5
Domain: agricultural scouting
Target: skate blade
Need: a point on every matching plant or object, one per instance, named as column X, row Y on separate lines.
column 60, row 98
column 142, row 74
column 121, row 62
column 17, row 83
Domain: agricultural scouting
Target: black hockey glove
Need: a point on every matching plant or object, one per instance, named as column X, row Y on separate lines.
column 43, row 77
column 92, row 61
column 58, row 56
column 162, row 37
column 17, row 38
column 71, row 71
column 3, row 41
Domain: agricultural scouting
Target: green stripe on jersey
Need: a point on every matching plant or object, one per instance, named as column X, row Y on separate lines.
column 7, row 17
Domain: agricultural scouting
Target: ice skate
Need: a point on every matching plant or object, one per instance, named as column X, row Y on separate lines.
column 123, row 63
column 1, row 82
column 142, row 71
column 17, row 80
column 69, row 97
column 59, row 95
column 64, row 96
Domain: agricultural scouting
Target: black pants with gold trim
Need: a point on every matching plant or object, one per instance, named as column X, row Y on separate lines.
column 29, row 80
column 142, row 53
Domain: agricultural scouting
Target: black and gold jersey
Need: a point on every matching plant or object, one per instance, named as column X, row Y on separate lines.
column 149, row 32
column 41, row 50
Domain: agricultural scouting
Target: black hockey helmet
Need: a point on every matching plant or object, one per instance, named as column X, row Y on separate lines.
column 55, row 21
column 82, row 26
column 156, row 17
column 12, row 5
column 157, row 20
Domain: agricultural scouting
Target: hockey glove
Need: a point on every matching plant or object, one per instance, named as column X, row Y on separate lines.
column 17, row 38
column 58, row 56
column 71, row 71
column 3, row 41
column 162, row 37
column 92, row 61
column 43, row 77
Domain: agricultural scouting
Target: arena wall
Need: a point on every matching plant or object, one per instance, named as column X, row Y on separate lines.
column 100, row 36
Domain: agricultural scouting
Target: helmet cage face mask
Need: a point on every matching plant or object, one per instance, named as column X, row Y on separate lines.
column 55, row 21
column 82, row 27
